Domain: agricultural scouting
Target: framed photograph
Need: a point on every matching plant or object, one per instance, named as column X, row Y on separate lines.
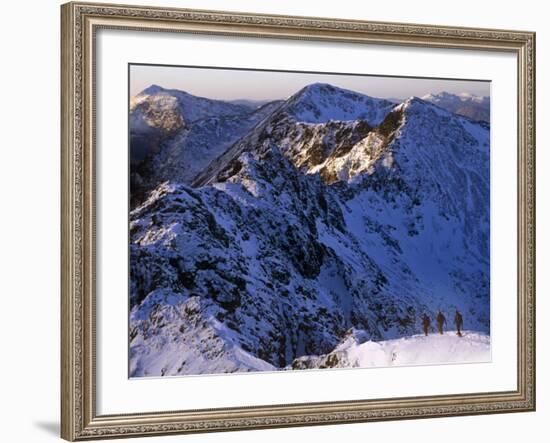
column 282, row 221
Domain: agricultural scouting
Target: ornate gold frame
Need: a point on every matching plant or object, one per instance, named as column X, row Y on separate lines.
column 79, row 21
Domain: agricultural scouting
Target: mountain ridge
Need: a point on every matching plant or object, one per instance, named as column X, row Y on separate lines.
column 265, row 259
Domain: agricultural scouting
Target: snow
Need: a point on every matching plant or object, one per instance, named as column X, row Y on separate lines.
column 182, row 348
column 176, row 135
column 434, row 349
column 421, row 350
column 357, row 161
column 313, row 243
column 322, row 102
column 194, row 147
column 191, row 107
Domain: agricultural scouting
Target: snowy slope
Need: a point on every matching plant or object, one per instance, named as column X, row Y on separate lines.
column 428, row 190
column 146, row 105
column 185, row 345
column 318, row 121
column 301, row 232
column 250, row 253
column 157, row 113
column 194, row 147
column 358, row 352
column 174, row 135
column 322, row 102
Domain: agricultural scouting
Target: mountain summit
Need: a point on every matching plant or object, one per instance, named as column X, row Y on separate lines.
column 322, row 102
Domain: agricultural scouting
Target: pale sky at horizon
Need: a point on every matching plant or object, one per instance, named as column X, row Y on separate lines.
column 231, row 84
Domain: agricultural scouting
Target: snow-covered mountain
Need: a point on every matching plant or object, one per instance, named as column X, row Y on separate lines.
column 473, row 106
column 190, row 150
column 322, row 102
column 154, row 102
column 156, row 113
column 318, row 121
column 174, row 135
column 334, row 213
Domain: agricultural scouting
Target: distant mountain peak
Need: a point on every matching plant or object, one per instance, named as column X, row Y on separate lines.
column 476, row 107
column 322, row 87
column 414, row 100
column 322, row 102
column 327, row 88
column 441, row 94
column 414, row 103
column 450, row 95
column 152, row 90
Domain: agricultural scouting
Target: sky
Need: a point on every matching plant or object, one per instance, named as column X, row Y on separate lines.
column 233, row 84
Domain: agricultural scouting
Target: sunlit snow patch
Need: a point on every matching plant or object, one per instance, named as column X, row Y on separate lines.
column 471, row 347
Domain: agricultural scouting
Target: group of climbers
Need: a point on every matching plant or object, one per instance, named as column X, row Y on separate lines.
column 442, row 321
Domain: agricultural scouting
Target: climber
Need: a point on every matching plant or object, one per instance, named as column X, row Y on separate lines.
column 425, row 323
column 459, row 323
column 441, row 321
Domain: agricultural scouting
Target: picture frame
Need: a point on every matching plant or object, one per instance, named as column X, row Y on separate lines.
column 80, row 24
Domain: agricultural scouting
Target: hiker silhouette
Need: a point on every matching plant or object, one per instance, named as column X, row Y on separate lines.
column 441, row 321
column 426, row 324
column 459, row 322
